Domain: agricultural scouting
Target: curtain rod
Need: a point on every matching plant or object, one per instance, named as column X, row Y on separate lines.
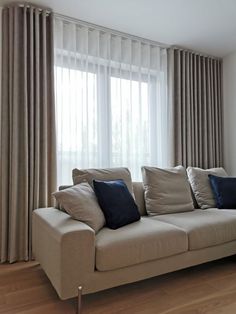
column 111, row 31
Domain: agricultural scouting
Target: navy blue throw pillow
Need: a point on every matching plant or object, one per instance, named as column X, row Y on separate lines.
column 224, row 190
column 116, row 203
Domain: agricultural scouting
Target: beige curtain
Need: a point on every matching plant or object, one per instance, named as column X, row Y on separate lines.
column 27, row 160
column 197, row 109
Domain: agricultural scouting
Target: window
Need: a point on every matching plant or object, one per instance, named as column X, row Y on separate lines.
column 111, row 105
column 77, row 121
column 129, row 124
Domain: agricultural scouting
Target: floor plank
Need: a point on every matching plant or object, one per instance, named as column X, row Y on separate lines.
column 204, row 289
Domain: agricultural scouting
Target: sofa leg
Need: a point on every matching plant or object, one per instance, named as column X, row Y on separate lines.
column 79, row 301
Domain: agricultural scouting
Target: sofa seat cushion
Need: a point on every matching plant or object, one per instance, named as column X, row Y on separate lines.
column 229, row 211
column 138, row 242
column 205, row 228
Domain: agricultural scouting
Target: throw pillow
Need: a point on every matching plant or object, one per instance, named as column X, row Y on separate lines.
column 166, row 190
column 116, row 202
column 57, row 204
column 80, row 202
column 224, row 190
column 105, row 174
column 200, row 184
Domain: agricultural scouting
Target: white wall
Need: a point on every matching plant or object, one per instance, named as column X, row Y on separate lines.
column 229, row 78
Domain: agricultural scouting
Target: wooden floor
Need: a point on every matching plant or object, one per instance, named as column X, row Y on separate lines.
column 209, row 288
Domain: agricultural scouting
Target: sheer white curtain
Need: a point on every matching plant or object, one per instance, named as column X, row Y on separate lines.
column 111, row 100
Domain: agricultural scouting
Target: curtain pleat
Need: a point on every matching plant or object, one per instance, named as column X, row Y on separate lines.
column 28, row 151
column 197, row 109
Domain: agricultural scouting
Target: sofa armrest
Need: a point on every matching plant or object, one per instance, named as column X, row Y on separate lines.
column 65, row 248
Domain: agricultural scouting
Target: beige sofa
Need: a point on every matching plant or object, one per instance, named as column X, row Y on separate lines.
column 72, row 256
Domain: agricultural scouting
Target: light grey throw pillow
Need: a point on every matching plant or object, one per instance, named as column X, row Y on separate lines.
column 80, row 202
column 166, row 190
column 105, row 174
column 200, row 184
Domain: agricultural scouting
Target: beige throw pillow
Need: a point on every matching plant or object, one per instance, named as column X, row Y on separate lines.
column 166, row 190
column 106, row 174
column 200, row 184
column 80, row 202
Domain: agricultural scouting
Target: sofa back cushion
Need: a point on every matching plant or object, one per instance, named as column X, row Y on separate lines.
column 201, row 187
column 139, row 197
column 166, row 190
column 106, row 174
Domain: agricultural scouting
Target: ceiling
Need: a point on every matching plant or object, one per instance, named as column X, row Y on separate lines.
column 207, row 26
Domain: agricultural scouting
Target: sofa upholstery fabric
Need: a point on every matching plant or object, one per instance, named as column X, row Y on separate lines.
column 65, row 249
column 200, row 184
column 205, row 228
column 139, row 197
column 80, row 202
column 139, row 242
column 166, row 190
column 81, row 175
